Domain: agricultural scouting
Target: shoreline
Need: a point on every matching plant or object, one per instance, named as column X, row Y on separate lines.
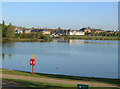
column 89, row 37
column 22, row 40
column 62, row 38
column 59, row 76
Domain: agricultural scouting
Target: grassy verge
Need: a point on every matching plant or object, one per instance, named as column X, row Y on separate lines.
column 28, row 83
column 62, row 77
column 35, row 84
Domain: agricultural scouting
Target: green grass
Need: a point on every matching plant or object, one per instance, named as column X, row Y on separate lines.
column 28, row 83
column 22, row 40
column 62, row 77
column 35, row 84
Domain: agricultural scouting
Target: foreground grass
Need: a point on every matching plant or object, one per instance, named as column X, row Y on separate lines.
column 62, row 77
column 35, row 84
column 28, row 83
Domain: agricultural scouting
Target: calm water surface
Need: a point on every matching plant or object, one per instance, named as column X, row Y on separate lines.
column 88, row 58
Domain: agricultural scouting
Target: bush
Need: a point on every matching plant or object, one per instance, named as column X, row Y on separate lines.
column 47, row 37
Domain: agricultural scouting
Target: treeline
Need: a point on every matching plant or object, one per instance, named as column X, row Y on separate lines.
column 9, row 32
column 34, row 35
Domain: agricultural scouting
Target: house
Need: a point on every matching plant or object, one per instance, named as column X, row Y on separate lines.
column 18, row 30
column 46, row 32
column 110, row 32
column 39, row 30
column 97, row 30
column 115, row 31
column 27, row 31
column 86, row 30
column 34, row 30
column 91, row 30
column 69, row 32
column 60, row 32
column 74, row 32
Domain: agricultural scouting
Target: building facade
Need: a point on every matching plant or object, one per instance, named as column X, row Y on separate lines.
column 75, row 32
column 18, row 30
column 40, row 30
column 69, row 32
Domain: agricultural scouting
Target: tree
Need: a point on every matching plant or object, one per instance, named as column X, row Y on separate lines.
column 47, row 37
column 89, row 28
column 23, row 28
column 86, row 33
column 105, row 33
column 10, row 32
column 3, row 28
column 92, row 33
column 41, row 35
column 33, row 35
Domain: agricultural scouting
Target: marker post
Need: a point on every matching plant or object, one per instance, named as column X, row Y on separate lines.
column 32, row 62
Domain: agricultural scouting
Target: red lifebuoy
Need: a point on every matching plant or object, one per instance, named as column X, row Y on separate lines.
column 57, row 67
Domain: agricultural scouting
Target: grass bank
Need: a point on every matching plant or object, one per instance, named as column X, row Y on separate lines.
column 62, row 37
column 85, row 37
column 28, row 83
column 61, row 77
column 34, row 84
column 22, row 40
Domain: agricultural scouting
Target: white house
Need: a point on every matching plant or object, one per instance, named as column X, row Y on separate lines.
column 75, row 32
column 46, row 32
column 27, row 31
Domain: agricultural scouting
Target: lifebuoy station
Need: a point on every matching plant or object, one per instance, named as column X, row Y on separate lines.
column 33, row 62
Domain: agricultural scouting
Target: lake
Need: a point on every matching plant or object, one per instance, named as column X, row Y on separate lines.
column 88, row 58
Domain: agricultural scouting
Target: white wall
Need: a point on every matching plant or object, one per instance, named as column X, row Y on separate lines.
column 80, row 33
column 77, row 33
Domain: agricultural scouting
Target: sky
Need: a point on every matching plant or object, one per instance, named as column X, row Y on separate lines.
column 67, row 15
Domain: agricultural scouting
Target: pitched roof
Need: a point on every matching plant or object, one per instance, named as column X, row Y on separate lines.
column 38, row 30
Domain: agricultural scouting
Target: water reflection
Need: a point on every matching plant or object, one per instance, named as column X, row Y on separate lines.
column 3, row 56
column 8, row 44
column 71, row 41
column 9, row 55
column 76, row 41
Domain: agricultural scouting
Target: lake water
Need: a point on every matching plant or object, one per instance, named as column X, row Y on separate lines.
column 87, row 58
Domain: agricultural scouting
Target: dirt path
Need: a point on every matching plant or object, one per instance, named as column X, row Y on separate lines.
column 57, row 80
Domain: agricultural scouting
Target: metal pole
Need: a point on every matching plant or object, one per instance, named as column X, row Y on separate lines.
column 32, row 69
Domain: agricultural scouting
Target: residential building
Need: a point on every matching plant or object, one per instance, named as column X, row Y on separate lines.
column 39, row 30
column 60, row 32
column 86, row 30
column 91, row 30
column 18, row 30
column 74, row 32
column 27, row 31
column 46, row 32
column 97, row 30
column 110, row 32
column 69, row 32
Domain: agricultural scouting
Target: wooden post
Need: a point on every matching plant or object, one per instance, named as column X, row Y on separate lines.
column 32, row 69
